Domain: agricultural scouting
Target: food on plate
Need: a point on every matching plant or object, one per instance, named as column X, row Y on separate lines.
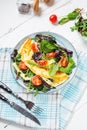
column 42, row 63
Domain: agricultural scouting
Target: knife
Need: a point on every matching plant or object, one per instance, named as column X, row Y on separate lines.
column 20, row 109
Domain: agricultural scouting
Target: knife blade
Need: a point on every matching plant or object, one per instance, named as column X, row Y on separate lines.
column 20, row 109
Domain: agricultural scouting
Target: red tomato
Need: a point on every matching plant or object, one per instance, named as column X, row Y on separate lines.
column 64, row 62
column 22, row 65
column 51, row 55
column 36, row 80
column 34, row 47
column 42, row 62
column 53, row 18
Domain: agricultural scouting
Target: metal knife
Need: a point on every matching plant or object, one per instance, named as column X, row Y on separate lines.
column 20, row 109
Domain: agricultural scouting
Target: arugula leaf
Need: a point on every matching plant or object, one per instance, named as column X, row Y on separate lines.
column 47, row 46
column 29, row 86
column 29, row 73
column 17, row 58
column 68, row 69
column 36, row 39
column 44, row 89
column 36, row 92
column 74, row 28
column 80, row 26
column 84, row 33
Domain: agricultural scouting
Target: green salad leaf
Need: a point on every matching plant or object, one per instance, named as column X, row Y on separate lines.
column 47, row 46
column 53, row 68
column 80, row 26
column 29, row 73
column 17, row 58
column 68, row 69
column 71, row 16
column 63, row 20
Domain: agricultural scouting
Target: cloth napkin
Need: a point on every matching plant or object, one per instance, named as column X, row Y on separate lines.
column 72, row 92
column 58, row 107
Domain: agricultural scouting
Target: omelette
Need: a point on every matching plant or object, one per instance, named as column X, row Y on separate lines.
column 42, row 63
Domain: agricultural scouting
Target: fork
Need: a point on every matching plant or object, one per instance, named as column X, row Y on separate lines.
column 29, row 104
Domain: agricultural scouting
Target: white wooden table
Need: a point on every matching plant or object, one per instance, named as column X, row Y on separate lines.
column 14, row 26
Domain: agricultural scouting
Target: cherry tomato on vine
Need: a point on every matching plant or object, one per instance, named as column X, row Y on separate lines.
column 53, row 18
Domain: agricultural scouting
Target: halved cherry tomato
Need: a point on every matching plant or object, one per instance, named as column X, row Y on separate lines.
column 51, row 55
column 53, row 18
column 64, row 62
column 22, row 65
column 34, row 47
column 36, row 80
column 42, row 62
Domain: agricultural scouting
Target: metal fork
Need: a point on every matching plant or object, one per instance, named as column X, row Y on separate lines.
column 29, row 104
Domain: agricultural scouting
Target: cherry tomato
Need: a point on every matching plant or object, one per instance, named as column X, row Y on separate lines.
column 34, row 47
column 53, row 18
column 42, row 62
column 36, row 80
column 22, row 65
column 64, row 62
column 51, row 55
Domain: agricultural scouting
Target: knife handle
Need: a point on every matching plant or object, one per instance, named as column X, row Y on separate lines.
column 3, row 86
column 7, row 89
column 5, row 99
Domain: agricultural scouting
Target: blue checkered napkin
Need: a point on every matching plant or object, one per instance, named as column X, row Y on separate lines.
column 49, row 118
column 56, row 115
column 73, row 92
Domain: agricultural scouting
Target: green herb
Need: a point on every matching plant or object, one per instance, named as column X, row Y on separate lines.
column 36, row 92
column 68, row 69
column 80, row 26
column 44, row 89
column 29, row 73
column 17, row 59
column 36, row 39
column 29, row 86
column 47, row 46
column 71, row 16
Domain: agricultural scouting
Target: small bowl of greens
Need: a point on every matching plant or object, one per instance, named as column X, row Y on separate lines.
column 43, row 62
column 81, row 24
